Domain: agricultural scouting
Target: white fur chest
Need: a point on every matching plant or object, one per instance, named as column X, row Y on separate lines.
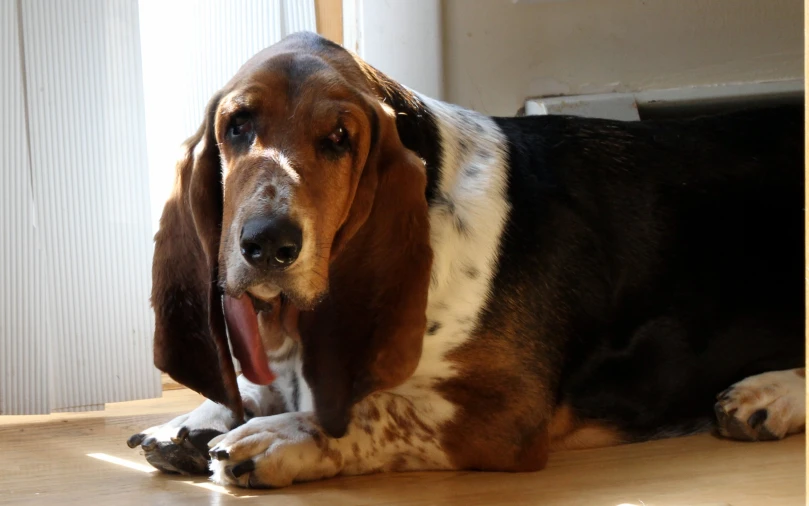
column 467, row 219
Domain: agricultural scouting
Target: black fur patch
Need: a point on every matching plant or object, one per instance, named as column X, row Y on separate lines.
column 472, row 169
column 471, row 272
column 296, row 393
column 621, row 259
column 416, row 124
column 442, row 201
column 463, row 148
column 460, row 225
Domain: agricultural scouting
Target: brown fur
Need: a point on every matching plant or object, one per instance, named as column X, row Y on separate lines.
column 499, row 424
column 349, row 353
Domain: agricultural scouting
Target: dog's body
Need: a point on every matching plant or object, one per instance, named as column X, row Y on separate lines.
column 588, row 283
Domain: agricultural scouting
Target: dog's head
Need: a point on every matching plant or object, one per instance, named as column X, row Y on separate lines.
column 297, row 213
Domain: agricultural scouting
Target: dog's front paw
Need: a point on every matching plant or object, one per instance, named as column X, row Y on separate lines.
column 763, row 407
column 181, row 445
column 274, row 451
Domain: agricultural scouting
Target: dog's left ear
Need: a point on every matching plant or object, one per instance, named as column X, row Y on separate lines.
column 190, row 340
column 367, row 334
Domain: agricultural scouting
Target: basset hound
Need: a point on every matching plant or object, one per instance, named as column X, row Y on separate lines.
column 410, row 285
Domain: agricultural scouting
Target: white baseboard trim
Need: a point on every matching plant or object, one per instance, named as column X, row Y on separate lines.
column 626, row 106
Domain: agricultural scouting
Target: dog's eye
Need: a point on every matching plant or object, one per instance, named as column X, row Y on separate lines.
column 338, row 137
column 240, row 127
column 337, row 142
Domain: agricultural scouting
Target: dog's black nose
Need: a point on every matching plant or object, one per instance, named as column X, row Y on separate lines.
column 270, row 242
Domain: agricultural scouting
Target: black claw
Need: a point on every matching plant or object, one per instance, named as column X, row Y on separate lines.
column 149, row 443
column 724, row 394
column 757, row 418
column 219, row 454
column 181, row 435
column 134, row 440
column 736, row 429
column 764, row 434
column 242, row 468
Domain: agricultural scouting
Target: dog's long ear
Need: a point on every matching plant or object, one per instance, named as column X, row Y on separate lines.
column 367, row 334
column 190, row 341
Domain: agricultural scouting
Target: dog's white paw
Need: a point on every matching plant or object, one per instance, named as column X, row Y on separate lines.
column 763, row 407
column 181, row 445
column 274, row 451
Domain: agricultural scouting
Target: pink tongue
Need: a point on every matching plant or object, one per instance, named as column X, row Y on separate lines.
column 246, row 342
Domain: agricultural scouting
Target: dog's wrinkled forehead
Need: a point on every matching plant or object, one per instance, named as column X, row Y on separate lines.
column 295, row 60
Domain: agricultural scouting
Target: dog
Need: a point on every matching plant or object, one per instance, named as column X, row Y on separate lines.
column 409, row 285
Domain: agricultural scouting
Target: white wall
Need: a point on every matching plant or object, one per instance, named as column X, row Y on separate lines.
column 497, row 53
column 402, row 38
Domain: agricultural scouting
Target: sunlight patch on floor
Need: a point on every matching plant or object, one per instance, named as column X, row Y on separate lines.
column 122, row 462
column 149, row 469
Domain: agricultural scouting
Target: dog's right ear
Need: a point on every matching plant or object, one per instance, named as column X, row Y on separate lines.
column 190, row 341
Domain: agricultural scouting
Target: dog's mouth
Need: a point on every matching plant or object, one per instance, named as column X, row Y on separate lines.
column 259, row 321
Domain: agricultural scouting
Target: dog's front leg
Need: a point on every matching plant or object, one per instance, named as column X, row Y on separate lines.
column 387, row 433
column 181, row 445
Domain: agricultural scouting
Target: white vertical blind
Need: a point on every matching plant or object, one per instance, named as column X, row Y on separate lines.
column 299, row 15
column 88, row 154
column 191, row 48
column 87, row 85
column 24, row 382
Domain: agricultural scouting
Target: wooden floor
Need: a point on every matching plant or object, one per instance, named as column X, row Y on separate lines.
column 83, row 459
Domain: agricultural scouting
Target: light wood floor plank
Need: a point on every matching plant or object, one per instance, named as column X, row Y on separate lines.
column 45, row 461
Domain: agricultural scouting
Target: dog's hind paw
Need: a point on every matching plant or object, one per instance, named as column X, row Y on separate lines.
column 764, row 407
